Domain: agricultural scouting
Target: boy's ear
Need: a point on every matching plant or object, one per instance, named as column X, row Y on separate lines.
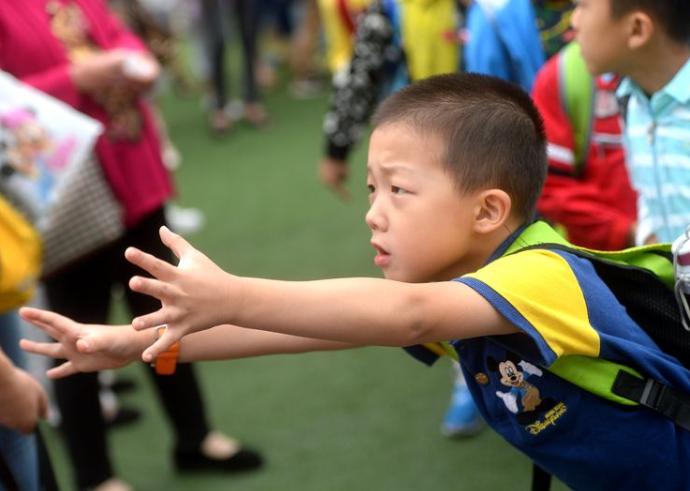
column 640, row 29
column 492, row 210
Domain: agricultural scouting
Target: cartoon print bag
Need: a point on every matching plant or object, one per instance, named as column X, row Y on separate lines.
column 48, row 171
column 20, row 257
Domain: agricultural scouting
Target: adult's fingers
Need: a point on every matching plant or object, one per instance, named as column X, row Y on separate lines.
column 41, row 400
column 43, row 405
column 151, row 264
column 342, row 192
column 27, row 426
column 337, row 185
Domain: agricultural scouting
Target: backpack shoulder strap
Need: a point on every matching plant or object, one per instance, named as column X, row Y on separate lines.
column 655, row 258
column 576, row 88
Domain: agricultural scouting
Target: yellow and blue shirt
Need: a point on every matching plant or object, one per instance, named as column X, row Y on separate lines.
column 562, row 307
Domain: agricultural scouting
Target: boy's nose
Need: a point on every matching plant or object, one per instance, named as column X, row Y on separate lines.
column 374, row 218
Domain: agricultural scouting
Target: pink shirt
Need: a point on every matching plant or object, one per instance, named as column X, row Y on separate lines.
column 30, row 52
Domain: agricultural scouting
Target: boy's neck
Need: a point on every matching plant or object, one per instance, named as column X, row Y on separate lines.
column 659, row 64
column 484, row 247
column 492, row 242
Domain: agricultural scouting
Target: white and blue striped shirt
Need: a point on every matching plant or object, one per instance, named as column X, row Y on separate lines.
column 657, row 134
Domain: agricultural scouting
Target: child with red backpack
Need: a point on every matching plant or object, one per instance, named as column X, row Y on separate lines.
column 587, row 190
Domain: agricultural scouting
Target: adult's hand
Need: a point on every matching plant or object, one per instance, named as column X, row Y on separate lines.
column 141, row 70
column 333, row 174
column 22, row 400
column 115, row 68
column 99, row 71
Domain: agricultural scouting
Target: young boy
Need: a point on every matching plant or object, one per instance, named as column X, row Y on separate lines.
column 648, row 41
column 456, row 163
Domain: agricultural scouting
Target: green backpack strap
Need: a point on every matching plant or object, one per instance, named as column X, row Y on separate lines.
column 536, row 233
column 576, row 89
column 656, row 258
column 594, row 375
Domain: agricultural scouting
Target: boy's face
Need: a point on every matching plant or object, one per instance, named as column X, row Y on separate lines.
column 420, row 222
column 602, row 38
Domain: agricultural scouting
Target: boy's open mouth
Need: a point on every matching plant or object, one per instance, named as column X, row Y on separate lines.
column 382, row 256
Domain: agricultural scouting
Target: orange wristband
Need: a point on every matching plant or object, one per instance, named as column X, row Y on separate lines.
column 166, row 362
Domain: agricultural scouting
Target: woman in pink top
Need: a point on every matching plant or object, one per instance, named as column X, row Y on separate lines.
column 77, row 51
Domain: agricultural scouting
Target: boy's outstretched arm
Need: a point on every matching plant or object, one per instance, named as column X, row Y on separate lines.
column 91, row 347
column 197, row 294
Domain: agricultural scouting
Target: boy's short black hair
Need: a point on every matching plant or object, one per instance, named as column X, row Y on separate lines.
column 493, row 134
column 673, row 15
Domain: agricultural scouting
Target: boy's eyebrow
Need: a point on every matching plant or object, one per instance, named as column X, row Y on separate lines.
column 393, row 168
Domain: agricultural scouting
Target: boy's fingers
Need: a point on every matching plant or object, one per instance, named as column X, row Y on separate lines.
column 30, row 314
column 54, row 325
column 152, row 287
column 161, row 345
column 91, row 344
column 48, row 321
column 53, row 350
column 154, row 319
column 151, row 264
column 48, row 329
column 174, row 242
column 64, row 370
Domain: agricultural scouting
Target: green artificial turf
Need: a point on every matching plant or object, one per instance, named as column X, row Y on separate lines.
column 357, row 420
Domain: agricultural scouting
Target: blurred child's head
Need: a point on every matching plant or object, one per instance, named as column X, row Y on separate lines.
column 614, row 33
column 452, row 158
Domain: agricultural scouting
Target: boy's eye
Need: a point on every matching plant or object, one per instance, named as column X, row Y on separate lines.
column 397, row 190
column 371, row 188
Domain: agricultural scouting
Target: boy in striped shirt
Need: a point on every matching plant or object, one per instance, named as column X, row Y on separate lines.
column 648, row 42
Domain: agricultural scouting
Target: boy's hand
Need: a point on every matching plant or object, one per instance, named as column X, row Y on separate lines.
column 192, row 294
column 22, row 401
column 86, row 347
